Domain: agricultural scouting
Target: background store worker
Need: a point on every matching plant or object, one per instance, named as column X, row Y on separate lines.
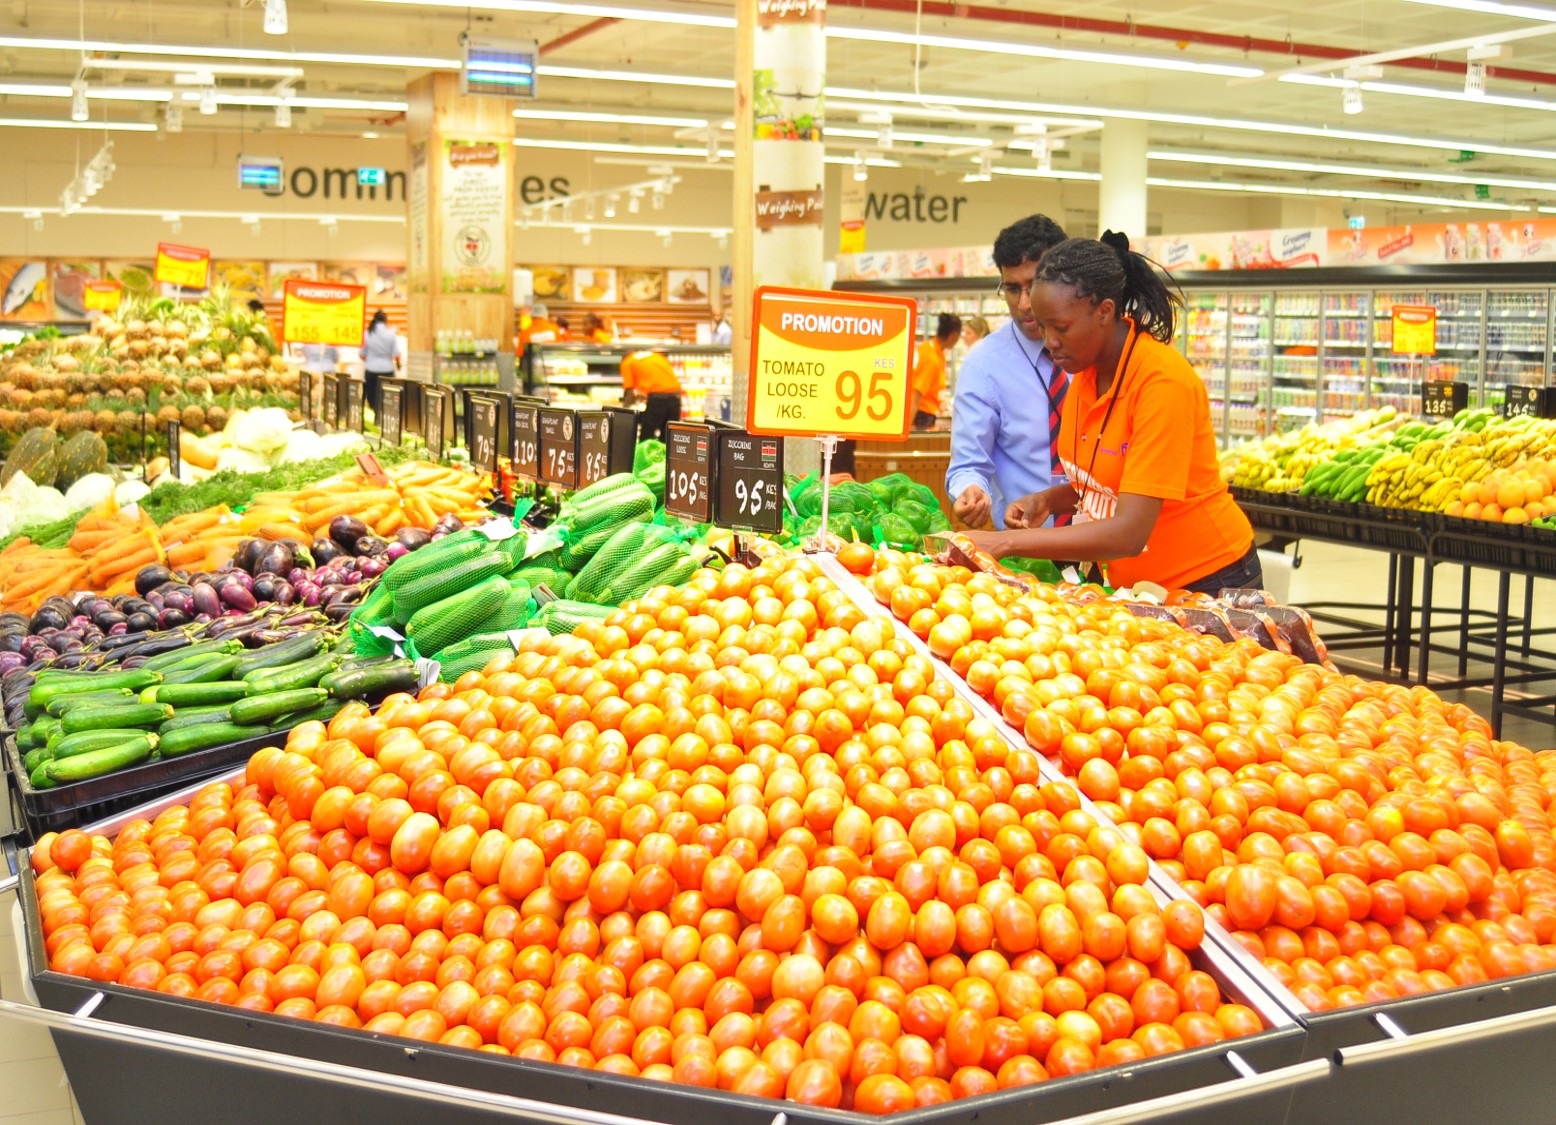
column 929, row 370
column 1008, row 392
column 379, row 355
column 648, row 376
column 1137, row 442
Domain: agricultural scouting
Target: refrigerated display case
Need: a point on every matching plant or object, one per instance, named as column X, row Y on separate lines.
column 580, row 374
column 1278, row 349
column 984, row 301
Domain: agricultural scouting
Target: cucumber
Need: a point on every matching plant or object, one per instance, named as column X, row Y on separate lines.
column 116, row 715
column 195, row 716
column 84, row 741
column 268, row 708
column 279, row 656
column 35, row 758
column 206, row 670
column 94, row 763
column 39, row 778
column 354, row 683
column 62, row 703
column 134, row 680
column 195, row 695
column 38, row 733
column 303, row 674
column 206, row 736
column 179, row 655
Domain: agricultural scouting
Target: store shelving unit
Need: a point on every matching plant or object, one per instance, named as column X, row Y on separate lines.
column 986, row 302
column 590, row 374
column 1278, row 349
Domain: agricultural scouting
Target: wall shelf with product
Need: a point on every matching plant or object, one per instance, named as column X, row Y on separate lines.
column 1279, row 348
column 578, row 374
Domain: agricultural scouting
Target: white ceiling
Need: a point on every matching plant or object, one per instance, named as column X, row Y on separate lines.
column 1286, row 121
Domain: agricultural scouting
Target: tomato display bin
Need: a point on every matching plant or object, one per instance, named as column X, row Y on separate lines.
column 1243, row 1080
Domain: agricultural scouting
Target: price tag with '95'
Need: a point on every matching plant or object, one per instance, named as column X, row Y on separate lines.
column 749, row 492
column 689, row 471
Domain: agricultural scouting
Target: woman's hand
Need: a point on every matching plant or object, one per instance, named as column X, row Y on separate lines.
column 1029, row 511
column 994, row 542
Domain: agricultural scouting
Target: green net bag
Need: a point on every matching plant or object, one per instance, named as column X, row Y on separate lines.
column 897, row 531
column 1041, row 569
column 915, row 513
column 650, row 452
column 805, row 495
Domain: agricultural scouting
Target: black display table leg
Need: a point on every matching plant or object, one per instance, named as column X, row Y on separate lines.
column 1528, row 613
column 1390, row 613
column 1464, row 624
column 1424, row 658
column 1407, row 576
column 1499, row 654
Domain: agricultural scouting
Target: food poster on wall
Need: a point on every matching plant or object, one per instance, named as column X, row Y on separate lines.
column 69, row 279
column 640, row 286
column 1292, row 248
column 855, row 197
column 24, row 290
column 347, row 273
column 687, row 287
column 389, row 283
column 282, row 272
column 552, row 283
column 244, row 280
column 1445, row 243
column 135, row 276
column 594, row 285
column 418, row 203
column 474, row 208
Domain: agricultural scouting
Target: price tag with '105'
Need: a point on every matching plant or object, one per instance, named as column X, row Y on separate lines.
column 689, row 471
column 831, row 363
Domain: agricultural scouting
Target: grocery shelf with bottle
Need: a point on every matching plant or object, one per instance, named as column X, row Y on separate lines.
column 987, row 304
column 463, row 360
column 580, row 374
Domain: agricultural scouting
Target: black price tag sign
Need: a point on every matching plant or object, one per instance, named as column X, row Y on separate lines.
column 1443, row 400
column 559, row 447
column 689, row 471
column 624, row 438
column 1532, row 402
column 525, row 428
column 331, row 401
column 434, row 409
column 175, row 436
column 391, row 406
column 305, row 394
column 354, row 390
column 594, row 447
column 483, row 431
column 749, row 496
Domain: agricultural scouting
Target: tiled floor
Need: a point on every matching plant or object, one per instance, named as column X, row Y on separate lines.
column 32, row 1086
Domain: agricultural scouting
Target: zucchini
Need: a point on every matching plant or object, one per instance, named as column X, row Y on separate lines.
column 62, row 703
column 195, row 716
column 94, row 763
column 323, row 713
column 206, row 670
column 120, row 715
column 206, row 736
column 134, row 680
column 38, row 733
column 35, row 758
column 39, row 778
column 81, row 742
column 195, row 695
column 355, row 683
column 268, row 708
column 303, row 674
column 280, row 655
column 179, row 655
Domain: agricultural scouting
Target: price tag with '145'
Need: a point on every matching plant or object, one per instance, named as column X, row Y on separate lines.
column 831, row 363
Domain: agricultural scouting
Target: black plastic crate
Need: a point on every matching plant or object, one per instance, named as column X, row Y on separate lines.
column 37, row 811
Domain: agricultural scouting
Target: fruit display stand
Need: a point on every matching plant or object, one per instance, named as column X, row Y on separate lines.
column 1398, row 1060
column 1413, row 627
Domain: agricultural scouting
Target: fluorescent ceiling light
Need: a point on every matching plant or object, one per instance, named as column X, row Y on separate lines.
column 241, row 216
column 1331, row 193
column 1410, row 90
column 1495, row 8
column 908, row 138
column 96, row 93
column 1320, row 168
column 1047, row 174
column 1289, row 129
column 591, row 74
column 569, row 8
column 414, row 62
column 1042, row 51
column 42, row 123
column 300, row 101
column 609, row 118
column 168, row 66
column 609, row 146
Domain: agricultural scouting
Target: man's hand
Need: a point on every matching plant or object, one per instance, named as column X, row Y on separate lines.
column 1029, row 511
column 973, row 507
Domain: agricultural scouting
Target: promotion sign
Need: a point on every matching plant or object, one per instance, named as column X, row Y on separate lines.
column 323, row 312
column 826, row 363
column 184, row 266
column 1415, row 329
column 101, row 296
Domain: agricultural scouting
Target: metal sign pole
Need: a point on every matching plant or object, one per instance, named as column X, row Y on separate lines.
column 828, row 445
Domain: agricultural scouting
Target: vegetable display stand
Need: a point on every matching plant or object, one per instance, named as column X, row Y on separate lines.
column 1236, row 1081
column 37, row 811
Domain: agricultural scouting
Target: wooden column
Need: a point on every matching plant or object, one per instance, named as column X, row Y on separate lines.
column 460, row 201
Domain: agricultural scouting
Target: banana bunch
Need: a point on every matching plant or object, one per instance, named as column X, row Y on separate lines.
column 1399, row 480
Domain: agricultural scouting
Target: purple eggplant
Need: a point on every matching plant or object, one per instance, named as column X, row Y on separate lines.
column 237, row 597
column 248, row 553
column 346, row 530
column 148, row 578
column 448, row 524
column 372, row 568
column 204, row 600
column 278, row 558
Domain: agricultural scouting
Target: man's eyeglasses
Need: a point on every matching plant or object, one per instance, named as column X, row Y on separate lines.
column 1013, row 292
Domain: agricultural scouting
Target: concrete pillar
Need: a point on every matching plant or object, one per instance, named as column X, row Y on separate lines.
column 1121, row 195
column 780, row 72
column 460, row 207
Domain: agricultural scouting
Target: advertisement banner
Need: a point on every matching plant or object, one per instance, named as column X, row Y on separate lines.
column 416, row 270
column 474, row 204
column 323, row 312
column 102, row 296
column 855, row 196
column 183, row 266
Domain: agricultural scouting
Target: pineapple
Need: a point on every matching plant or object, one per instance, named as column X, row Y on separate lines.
column 193, row 418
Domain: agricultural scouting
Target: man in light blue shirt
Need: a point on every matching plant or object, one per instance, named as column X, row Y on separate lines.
column 1009, row 394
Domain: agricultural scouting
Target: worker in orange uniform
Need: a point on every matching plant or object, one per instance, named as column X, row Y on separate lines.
column 929, row 370
column 649, row 378
column 594, row 330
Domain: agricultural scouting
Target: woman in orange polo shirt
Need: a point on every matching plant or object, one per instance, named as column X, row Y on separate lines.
column 929, row 370
column 648, row 376
column 1136, row 439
